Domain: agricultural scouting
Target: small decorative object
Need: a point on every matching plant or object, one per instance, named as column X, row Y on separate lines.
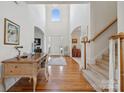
column 11, row 32
column 17, row 48
column 37, row 41
column 25, row 55
column 61, row 50
column 74, row 40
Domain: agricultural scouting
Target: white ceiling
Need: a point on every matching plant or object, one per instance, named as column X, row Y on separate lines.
column 57, row 2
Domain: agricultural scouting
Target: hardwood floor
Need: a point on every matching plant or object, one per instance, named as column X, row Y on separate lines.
column 62, row 78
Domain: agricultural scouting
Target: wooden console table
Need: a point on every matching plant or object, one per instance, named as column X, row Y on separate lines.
column 23, row 67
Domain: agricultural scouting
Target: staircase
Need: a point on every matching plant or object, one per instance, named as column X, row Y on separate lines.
column 98, row 74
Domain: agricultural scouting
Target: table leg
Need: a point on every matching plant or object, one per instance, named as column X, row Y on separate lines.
column 34, row 83
column 29, row 79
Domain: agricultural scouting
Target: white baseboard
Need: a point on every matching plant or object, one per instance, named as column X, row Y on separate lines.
column 92, row 83
column 79, row 63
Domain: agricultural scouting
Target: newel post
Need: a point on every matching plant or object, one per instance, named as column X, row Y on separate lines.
column 85, row 41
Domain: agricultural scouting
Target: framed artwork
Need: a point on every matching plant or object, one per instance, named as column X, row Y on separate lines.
column 37, row 41
column 11, row 32
column 74, row 40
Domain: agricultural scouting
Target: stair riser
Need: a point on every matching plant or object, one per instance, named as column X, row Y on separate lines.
column 106, row 58
column 94, row 81
column 104, row 73
column 106, row 67
column 102, row 62
column 94, row 85
column 98, row 73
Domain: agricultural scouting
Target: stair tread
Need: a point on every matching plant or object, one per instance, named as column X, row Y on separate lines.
column 100, row 70
column 91, row 81
column 107, row 54
column 98, row 74
column 104, row 57
column 104, row 66
column 99, row 80
column 104, row 54
column 102, row 61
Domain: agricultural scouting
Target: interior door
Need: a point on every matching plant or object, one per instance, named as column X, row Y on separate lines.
column 55, row 43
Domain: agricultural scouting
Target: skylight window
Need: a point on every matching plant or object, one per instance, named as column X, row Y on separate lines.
column 55, row 15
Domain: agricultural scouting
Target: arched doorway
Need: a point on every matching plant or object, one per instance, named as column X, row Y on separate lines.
column 76, row 44
column 38, row 40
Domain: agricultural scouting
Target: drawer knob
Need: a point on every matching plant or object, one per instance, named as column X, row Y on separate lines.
column 16, row 66
column 11, row 71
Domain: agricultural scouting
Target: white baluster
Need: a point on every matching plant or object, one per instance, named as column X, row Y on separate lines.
column 111, row 64
column 119, row 74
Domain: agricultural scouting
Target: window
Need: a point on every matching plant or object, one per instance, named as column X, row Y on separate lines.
column 55, row 15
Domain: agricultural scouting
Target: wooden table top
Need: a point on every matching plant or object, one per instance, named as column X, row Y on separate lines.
column 30, row 58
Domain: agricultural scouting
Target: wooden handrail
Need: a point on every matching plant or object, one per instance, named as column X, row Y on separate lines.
column 85, row 39
column 104, row 30
column 120, row 35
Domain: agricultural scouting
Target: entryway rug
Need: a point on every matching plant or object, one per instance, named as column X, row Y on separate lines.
column 60, row 61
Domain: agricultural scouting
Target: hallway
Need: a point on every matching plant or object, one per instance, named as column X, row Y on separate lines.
column 62, row 78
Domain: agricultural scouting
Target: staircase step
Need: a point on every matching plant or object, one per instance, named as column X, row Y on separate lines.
column 103, row 65
column 102, row 61
column 97, row 69
column 98, row 74
column 106, row 53
column 105, row 57
column 96, row 80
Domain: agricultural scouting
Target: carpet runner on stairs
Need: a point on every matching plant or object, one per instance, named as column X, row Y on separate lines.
column 98, row 74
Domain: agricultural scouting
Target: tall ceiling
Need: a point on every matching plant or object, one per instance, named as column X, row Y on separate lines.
column 57, row 2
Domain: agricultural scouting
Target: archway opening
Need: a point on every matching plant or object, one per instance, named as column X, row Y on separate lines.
column 38, row 40
column 76, row 44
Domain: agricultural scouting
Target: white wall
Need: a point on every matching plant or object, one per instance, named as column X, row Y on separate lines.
column 60, row 28
column 101, row 14
column 38, row 14
column 76, row 35
column 20, row 14
column 79, row 16
column 120, row 16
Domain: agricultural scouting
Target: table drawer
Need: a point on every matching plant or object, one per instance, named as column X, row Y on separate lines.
column 19, row 69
